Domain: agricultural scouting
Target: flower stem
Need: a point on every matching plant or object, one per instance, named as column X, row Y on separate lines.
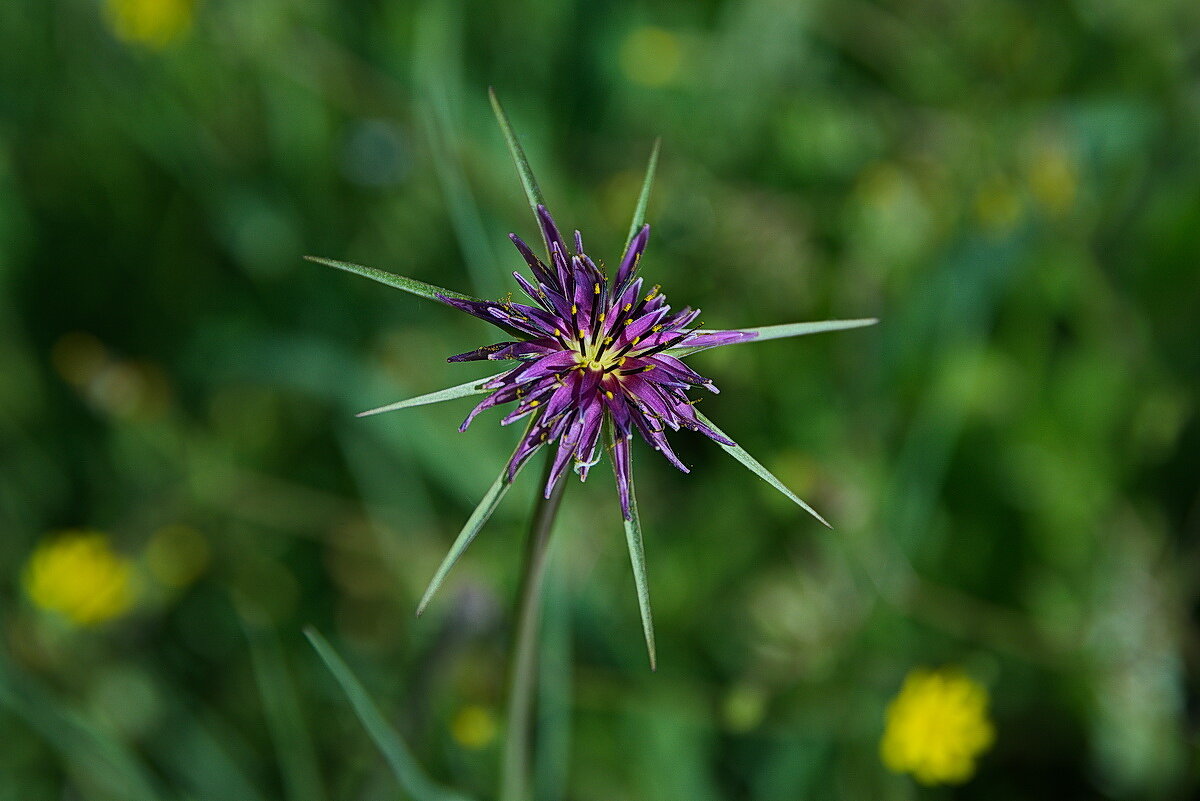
column 514, row 766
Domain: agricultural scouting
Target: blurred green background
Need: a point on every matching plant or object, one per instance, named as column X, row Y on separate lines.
column 1010, row 459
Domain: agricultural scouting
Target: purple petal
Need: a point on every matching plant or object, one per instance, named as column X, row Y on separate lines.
column 525, row 319
column 587, row 452
column 558, row 362
column 539, row 269
column 633, row 255
column 563, row 398
column 538, row 321
column 530, row 444
column 671, row 367
column 566, row 448
column 620, row 411
column 658, row 440
column 550, row 230
column 508, row 350
column 585, row 297
column 639, row 327
column 485, row 404
column 623, row 468
column 681, row 318
column 558, row 256
column 535, row 294
column 646, row 398
column 701, row 340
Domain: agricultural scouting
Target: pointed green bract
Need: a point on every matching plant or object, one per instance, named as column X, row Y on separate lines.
column 471, row 528
column 533, row 192
column 404, row 766
column 739, row 453
column 474, row 523
column 637, row 558
column 766, row 332
column 451, row 393
column 639, row 213
column 419, row 288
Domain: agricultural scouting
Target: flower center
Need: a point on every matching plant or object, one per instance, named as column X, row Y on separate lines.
column 595, row 358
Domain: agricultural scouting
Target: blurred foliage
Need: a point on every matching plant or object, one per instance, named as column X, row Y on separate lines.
column 1010, row 460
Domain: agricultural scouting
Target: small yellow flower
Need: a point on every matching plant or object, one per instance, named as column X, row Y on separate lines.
column 79, row 576
column 154, row 23
column 936, row 727
column 474, row 727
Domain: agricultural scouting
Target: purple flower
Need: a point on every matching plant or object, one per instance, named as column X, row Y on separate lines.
column 591, row 350
column 588, row 350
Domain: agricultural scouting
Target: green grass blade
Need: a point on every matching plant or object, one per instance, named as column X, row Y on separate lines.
column 91, row 755
column 419, row 288
column 451, row 393
column 637, row 558
column 739, row 453
column 198, row 758
column 533, row 192
column 404, row 766
column 639, row 213
column 289, row 732
column 766, row 332
column 471, row 528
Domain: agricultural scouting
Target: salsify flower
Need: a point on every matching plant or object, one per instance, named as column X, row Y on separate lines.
column 588, row 353
column 593, row 350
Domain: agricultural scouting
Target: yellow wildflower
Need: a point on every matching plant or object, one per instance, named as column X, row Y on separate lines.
column 474, row 727
column 79, row 576
column 936, row 727
column 155, row 23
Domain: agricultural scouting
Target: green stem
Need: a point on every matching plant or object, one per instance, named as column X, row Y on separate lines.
column 514, row 767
